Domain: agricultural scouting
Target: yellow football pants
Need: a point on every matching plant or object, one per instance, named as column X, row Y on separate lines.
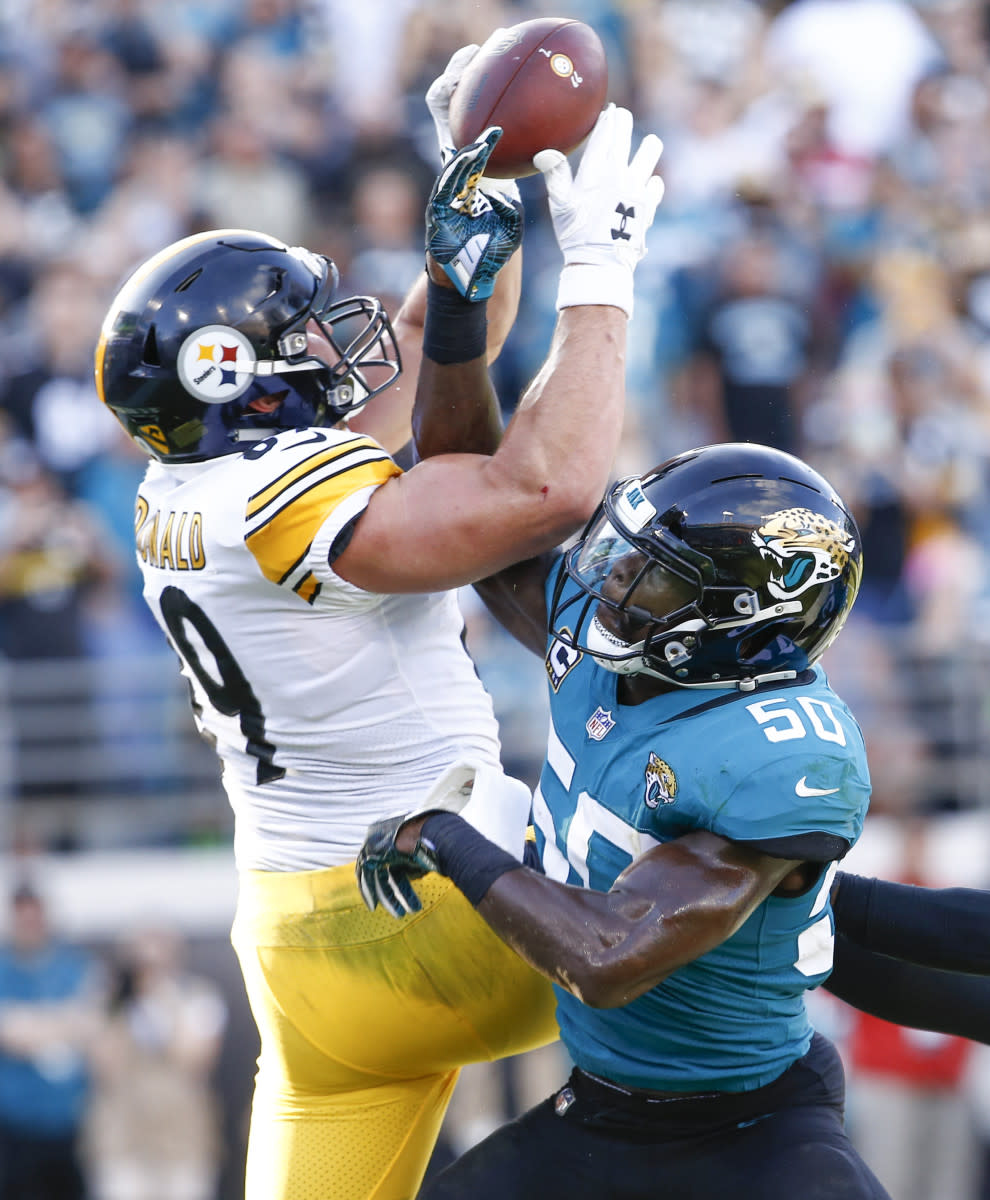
column 364, row 1022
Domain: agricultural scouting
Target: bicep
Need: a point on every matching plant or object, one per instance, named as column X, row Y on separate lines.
column 443, row 524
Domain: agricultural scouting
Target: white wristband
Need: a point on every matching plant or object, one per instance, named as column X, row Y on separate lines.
column 596, row 283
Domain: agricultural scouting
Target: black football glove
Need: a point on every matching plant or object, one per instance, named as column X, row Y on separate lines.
column 384, row 872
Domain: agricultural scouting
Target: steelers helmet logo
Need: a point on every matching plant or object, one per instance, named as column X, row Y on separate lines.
column 216, row 364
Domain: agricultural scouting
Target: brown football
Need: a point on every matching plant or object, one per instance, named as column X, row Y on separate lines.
column 544, row 81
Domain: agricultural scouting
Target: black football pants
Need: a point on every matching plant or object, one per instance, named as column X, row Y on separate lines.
column 589, row 1141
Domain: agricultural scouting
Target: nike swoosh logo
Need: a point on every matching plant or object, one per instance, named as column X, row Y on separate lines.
column 802, row 789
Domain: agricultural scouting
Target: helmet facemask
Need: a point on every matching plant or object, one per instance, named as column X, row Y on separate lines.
column 366, row 356
column 362, row 337
column 629, row 599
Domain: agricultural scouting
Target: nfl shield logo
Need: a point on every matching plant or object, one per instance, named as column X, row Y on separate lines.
column 599, row 723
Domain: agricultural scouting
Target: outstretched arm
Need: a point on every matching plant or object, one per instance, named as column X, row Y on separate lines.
column 670, row 906
column 908, row 994
column 456, row 518
column 945, row 928
column 389, row 417
column 456, row 408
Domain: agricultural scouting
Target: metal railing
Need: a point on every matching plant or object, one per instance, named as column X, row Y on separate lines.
column 98, row 754
column 104, row 754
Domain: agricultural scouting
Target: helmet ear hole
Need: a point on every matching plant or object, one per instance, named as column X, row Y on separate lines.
column 149, row 354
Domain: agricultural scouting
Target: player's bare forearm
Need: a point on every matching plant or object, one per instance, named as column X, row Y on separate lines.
column 569, row 421
column 456, row 407
column 503, row 306
column 669, row 907
column 389, row 418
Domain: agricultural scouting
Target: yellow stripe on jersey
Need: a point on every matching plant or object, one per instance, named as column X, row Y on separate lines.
column 308, row 587
column 282, row 541
column 314, row 462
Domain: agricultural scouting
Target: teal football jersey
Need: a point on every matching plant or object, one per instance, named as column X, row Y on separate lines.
column 783, row 765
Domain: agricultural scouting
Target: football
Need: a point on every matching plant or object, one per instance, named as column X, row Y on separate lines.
column 544, row 81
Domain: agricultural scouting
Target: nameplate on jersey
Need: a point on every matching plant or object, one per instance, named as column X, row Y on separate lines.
column 171, row 541
column 560, row 659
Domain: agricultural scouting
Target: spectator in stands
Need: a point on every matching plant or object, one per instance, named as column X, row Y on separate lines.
column 53, row 554
column 153, row 1127
column 753, row 354
column 50, row 1010
column 49, row 391
column 88, row 117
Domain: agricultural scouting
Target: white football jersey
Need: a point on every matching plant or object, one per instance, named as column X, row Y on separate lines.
column 330, row 707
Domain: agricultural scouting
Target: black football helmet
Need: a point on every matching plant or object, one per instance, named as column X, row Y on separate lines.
column 204, row 332
column 726, row 566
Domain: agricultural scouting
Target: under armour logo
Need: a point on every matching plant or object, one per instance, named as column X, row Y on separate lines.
column 624, row 216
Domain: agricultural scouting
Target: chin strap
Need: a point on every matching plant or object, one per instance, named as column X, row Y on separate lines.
column 599, row 644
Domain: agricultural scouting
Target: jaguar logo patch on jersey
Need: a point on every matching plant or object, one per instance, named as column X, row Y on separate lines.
column 599, row 723
column 661, row 782
column 216, row 364
column 560, row 659
column 803, row 548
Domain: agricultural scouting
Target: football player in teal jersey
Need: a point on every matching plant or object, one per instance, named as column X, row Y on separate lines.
column 701, row 782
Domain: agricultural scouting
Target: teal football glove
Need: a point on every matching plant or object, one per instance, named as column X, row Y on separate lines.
column 470, row 234
column 384, row 873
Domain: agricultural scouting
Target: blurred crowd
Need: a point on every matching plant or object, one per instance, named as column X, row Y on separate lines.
column 818, row 278
column 106, row 1063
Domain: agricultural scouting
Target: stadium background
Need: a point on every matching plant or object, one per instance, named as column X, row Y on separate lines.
column 818, row 277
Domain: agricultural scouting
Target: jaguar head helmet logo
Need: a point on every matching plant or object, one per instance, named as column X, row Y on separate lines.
column 802, row 548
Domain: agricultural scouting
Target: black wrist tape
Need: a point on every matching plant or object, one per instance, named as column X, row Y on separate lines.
column 465, row 856
column 456, row 330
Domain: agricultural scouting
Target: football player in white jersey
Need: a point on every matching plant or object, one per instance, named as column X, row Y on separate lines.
column 303, row 579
